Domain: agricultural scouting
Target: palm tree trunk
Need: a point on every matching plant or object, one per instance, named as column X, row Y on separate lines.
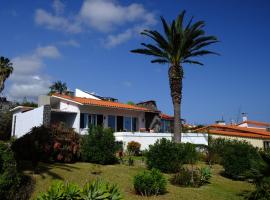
column 2, row 80
column 175, row 79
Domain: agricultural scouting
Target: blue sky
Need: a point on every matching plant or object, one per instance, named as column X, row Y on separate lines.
column 86, row 44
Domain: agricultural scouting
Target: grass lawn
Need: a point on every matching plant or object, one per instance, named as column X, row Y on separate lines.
column 220, row 188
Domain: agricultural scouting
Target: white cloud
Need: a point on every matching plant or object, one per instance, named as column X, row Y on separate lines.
column 72, row 43
column 27, row 80
column 106, row 16
column 56, row 22
column 48, row 52
column 58, row 7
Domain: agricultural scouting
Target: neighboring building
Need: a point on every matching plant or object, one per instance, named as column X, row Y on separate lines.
column 256, row 133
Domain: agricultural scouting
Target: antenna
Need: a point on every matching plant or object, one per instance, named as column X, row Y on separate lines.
column 238, row 116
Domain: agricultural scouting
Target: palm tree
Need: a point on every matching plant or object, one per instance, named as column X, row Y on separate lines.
column 58, row 87
column 180, row 44
column 5, row 70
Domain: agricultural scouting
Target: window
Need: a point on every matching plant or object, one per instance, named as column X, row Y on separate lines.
column 127, row 123
column 83, row 120
column 119, row 123
column 134, row 124
column 111, row 122
column 266, row 145
column 92, row 120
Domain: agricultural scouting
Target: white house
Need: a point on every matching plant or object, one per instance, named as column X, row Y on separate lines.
column 141, row 122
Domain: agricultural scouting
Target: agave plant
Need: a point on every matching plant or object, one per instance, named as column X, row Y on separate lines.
column 55, row 192
column 101, row 190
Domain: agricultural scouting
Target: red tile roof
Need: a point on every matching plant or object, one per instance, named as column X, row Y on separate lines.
column 167, row 117
column 255, row 123
column 236, row 131
column 102, row 103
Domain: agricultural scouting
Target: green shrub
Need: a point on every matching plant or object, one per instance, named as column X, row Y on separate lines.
column 262, row 191
column 130, row 161
column 96, row 190
column 165, row 155
column 47, row 144
column 99, row 146
column 133, row 148
column 215, row 150
column 148, row 183
column 5, row 125
column 9, row 177
column 238, row 158
column 190, row 177
column 182, row 178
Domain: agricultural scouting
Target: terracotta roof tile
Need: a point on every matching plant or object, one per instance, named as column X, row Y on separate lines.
column 102, row 103
column 232, row 130
column 167, row 117
column 255, row 123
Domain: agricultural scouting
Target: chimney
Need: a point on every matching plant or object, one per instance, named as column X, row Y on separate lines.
column 244, row 117
column 220, row 122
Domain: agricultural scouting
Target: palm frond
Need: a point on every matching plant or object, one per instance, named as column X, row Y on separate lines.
column 192, row 62
column 160, row 61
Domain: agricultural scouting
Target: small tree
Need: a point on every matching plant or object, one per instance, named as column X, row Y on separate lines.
column 58, row 87
column 134, row 148
column 6, row 69
column 99, row 146
column 191, row 157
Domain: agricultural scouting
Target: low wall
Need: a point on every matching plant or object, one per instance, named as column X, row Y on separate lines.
column 22, row 123
column 146, row 139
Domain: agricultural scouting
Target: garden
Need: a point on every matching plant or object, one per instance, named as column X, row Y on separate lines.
column 56, row 163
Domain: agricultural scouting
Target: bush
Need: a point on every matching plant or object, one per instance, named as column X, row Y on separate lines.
column 47, row 144
column 148, row 183
column 165, row 155
column 130, row 161
column 262, row 191
column 8, row 171
column 96, row 190
column 238, row 158
column 5, row 125
column 215, row 150
column 134, row 148
column 190, row 177
column 99, row 146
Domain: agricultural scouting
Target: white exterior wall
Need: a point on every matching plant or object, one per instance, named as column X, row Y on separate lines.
column 80, row 93
column 26, row 121
column 71, row 107
column 146, row 139
column 252, row 126
column 195, row 138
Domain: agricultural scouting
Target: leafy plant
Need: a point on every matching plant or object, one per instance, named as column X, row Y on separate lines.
column 166, row 155
column 96, row 190
column 99, row 190
column 191, row 177
column 9, row 176
column 238, row 157
column 134, row 148
column 99, row 146
column 95, row 169
column 130, row 161
column 205, row 175
column 148, row 183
